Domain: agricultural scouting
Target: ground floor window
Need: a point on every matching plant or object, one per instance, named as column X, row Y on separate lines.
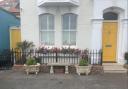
column 69, row 25
column 46, row 29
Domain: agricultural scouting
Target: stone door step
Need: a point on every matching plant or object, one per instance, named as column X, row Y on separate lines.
column 113, row 68
column 115, row 71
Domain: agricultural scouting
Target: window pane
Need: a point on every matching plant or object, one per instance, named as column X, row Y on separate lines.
column 69, row 23
column 73, row 21
column 110, row 16
column 43, row 22
column 51, row 38
column 51, row 22
column 43, row 37
column 73, row 38
column 66, row 22
column 65, row 38
column 47, row 37
column 47, row 24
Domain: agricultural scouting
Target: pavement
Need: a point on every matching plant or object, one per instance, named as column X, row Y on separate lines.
column 19, row 80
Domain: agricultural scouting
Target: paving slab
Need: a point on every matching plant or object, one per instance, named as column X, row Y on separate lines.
column 19, row 80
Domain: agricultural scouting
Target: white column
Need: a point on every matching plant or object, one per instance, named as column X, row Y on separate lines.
column 58, row 28
column 123, row 40
column 97, row 34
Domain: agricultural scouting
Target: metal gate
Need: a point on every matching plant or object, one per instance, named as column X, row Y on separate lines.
column 6, row 60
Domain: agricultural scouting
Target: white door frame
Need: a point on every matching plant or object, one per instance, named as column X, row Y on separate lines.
column 122, row 34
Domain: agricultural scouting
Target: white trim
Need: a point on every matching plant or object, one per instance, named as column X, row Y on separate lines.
column 41, row 3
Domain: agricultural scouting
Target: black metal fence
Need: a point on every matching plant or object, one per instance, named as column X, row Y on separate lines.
column 44, row 58
column 11, row 57
column 6, row 60
column 95, row 57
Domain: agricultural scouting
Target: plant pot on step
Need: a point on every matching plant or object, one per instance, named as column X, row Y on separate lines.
column 126, row 57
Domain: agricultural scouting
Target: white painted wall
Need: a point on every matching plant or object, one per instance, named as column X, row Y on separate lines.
column 100, row 5
column 30, row 22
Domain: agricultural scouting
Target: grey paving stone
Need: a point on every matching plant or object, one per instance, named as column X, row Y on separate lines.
column 19, row 80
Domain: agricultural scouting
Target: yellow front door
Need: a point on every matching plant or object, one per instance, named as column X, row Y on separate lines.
column 109, row 41
column 15, row 37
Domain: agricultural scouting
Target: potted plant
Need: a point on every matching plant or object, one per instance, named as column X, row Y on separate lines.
column 24, row 49
column 31, row 66
column 83, row 66
column 126, row 56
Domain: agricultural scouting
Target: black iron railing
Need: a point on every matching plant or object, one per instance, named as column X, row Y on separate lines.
column 17, row 57
column 6, row 61
column 95, row 57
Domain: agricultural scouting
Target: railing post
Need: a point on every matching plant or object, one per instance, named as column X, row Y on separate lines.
column 56, row 56
column 101, row 58
column 12, row 56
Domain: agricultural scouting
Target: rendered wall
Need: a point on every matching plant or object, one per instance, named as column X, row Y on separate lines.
column 6, row 21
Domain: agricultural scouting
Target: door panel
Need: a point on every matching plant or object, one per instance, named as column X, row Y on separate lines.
column 15, row 37
column 109, row 41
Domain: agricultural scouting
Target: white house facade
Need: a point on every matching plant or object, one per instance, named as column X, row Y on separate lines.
column 92, row 24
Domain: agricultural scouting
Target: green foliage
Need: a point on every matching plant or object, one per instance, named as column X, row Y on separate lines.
column 31, row 61
column 84, row 58
column 126, row 56
column 25, row 45
column 63, row 50
column 84, row 55
column 83, row 62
